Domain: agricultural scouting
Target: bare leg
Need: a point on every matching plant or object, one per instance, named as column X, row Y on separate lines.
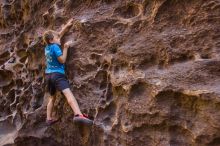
column 72, row 101
column 50, row 107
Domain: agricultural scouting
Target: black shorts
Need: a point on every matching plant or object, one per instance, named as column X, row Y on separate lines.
column 56, row 81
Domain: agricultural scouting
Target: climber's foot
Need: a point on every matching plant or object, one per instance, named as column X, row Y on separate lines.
column 51, row 122
column 82, row 119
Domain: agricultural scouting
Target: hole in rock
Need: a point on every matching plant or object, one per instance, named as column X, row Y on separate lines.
column 6, row 127
column 21, row 53
column 102, row 102
column 101, row 78
column 34, row 141
column 4, row 57
column 7, row 88
column 109, row 95
column 149, row 61
column 105, row 114
column 8, row 1
column 215, row 142
column 119, row 28
column 102, row 85
column 18, row 67
column 113, row 50
column 19, row 82
column 73, row 4
column 138, row 90
column 181, row 57
column 116, row 69
column 11, row 96
column 107, row 121
column 38, row 94
column 95, row 56
column 105, row 66
column 6, row 7
column 25, row 45
column 108, row 1
column 3, row 102
column 179, row 136
column 22, row 60
column 5, row 77
column 206, row 55
column 59, row 20
column 172, row 12
column 59, row 4
column 129, row 11
column 18, row 92
column 51, row 10
column 12, row 50
column 119, row 90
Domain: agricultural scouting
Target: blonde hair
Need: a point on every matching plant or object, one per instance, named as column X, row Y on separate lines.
column 48, row 36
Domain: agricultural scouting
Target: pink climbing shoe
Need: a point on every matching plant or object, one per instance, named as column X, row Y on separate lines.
column 82, row 119
column 51, row 122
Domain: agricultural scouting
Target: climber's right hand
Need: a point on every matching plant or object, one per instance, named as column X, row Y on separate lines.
column 68, row 44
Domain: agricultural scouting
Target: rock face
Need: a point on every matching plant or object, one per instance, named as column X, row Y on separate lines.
column 147, row 71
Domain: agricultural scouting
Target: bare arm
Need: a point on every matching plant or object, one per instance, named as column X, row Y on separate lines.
column 62, row 58
column 66, row 28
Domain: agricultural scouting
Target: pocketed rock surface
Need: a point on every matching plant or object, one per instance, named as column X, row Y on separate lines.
column 146, row 71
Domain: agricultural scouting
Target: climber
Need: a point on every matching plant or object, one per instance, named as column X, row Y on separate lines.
column 55, row 74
